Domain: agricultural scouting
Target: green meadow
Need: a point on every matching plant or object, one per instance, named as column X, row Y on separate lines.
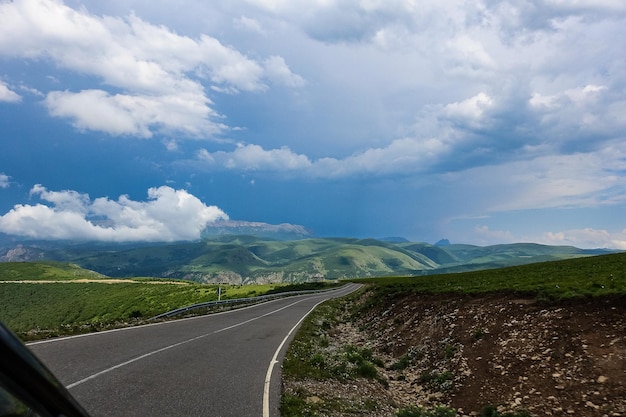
column 248, row 259
column 592, row 276
column 45, row 299
column 41, row 299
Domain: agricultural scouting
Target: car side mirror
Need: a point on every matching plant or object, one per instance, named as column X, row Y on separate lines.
column 27, row 387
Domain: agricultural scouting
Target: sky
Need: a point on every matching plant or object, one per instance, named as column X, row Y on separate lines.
column 483, row 122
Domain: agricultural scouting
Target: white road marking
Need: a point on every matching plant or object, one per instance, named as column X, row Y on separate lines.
column 161, row 323
column 274, row 361
column 112, row 368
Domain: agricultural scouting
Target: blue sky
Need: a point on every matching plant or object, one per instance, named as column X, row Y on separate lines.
column 485, row 122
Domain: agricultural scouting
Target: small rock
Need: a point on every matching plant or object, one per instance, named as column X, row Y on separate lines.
column 602, row 379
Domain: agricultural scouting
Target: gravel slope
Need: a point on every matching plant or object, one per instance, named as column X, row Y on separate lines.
column 467, row 353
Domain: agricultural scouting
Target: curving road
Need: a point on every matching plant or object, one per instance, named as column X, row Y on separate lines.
column 218, row 365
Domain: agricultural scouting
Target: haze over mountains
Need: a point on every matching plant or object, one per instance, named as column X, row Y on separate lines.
column 239, row 259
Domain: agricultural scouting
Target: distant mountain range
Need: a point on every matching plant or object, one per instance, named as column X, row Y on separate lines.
column 284, row 231
column 244, row 258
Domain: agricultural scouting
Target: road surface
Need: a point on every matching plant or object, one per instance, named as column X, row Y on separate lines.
column 225, row 364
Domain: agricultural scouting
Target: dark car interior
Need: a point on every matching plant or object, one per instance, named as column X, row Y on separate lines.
column 27, row 387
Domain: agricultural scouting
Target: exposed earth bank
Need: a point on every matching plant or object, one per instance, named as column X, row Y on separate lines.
column 486, row 355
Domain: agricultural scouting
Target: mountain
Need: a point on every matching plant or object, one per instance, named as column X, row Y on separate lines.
column 284, row 231
column 245, row 258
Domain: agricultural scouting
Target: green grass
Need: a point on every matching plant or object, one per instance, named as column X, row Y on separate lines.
column 42, row 309
column 51, row 306
column 312, row 355
column 49, row 270
column 573, row 278
column 413, row 411
column 304, row 357
column 247, row 258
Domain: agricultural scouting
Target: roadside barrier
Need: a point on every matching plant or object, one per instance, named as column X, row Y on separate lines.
column 254, row 300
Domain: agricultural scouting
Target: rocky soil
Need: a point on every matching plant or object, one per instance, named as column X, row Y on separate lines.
column 486, row 355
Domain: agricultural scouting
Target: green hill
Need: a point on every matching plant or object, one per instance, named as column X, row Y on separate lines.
column 45, row 271
column 602, row 275
column 245, row 259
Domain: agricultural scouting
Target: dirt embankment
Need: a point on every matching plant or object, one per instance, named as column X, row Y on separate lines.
column 494, row 354
column 550, row 359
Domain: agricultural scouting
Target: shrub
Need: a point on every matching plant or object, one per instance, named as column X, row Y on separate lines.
column 491, row 411
column 413, row 411
column 367, row 370
column 478, row 334
column 440, row 381
column 403, row 362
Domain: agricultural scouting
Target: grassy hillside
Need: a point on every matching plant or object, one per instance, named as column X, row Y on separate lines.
column 251, row 259
column 26, row 271
column 43, row 299
column 244, row 259
column 579, row 277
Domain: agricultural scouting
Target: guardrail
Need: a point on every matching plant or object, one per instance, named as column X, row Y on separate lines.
column 258, row 299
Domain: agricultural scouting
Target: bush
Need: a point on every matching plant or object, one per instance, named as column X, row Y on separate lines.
column 491, row 411
column 440, row 381
column 403, row 362
column 413, row 411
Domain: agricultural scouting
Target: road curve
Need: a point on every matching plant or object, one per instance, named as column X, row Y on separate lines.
column 217, row 365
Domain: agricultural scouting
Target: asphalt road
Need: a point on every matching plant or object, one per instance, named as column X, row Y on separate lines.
column 225, row 364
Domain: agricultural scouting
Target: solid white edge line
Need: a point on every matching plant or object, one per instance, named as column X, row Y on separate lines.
column 62, row 338
column 274, row 361
column 128, row 362
column 121, row 329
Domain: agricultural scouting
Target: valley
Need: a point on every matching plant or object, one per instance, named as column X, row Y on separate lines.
column 532, row 339
column 248, row 259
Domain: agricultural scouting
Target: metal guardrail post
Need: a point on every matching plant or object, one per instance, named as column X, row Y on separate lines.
column 260, row 298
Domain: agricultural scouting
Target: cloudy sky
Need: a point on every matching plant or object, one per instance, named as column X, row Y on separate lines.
column 484, row 122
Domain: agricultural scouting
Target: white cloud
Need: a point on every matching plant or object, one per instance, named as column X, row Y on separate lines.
column 127, row 53
column 402, row 156
column 254, row 157
column 357, row 21
column 470, row 54
column 576, row 114
column 168, row 215
column 576, row 180
column 248, row 24
column 137, row 115
column 586, row 238
column 277, row 70
column 486, row 236
column 7, row 95
column 161, row 73
column 171, row 145
column 471, row 109
column 4, row 180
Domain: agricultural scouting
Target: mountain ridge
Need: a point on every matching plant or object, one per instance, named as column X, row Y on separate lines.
column 243, row 259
